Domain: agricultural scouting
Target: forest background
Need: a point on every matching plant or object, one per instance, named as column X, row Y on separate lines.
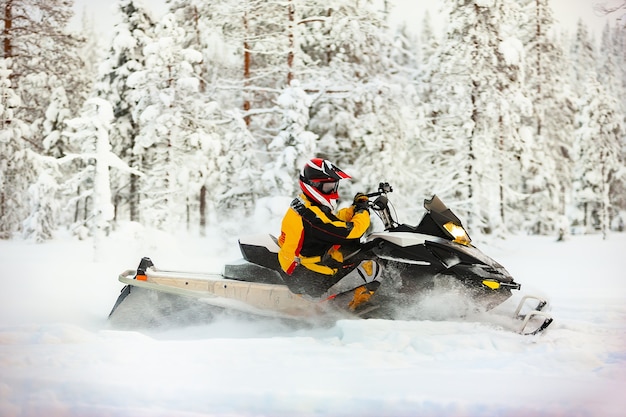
column 209, row 111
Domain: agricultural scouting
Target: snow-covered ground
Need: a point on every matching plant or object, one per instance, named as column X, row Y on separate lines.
column 59, row 356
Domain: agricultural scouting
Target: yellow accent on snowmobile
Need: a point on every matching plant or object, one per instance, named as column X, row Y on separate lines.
column 491, row 284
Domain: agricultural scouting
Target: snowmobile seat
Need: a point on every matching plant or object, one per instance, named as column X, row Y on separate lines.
column 260, row 255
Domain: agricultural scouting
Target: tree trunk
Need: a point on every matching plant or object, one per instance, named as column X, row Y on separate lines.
column 501, row 167
column 134, row 198
column 203, row 210
column 196, row 18
column 246, row 68
column 471, row 159
column 538, row 55
column 7, row 45
column 290, row 55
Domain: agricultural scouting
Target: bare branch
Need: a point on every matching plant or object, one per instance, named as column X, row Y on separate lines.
column 607, row 7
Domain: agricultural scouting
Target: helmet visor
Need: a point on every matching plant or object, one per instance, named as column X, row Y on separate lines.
column 329, row 187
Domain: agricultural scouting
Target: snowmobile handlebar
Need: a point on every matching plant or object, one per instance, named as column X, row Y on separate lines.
column 381, row 204
column 383, row 188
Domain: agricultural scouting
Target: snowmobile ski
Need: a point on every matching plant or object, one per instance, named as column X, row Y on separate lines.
column 535, row 312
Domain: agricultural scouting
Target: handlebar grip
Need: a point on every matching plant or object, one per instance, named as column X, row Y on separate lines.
column 383, row 188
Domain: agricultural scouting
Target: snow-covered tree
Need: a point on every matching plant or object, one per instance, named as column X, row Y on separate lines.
column 612, row 75
column 583, row 57
column 429, row 40
column 599, row 163
column 473, row 90
column 260, row 32
column 389, row 152
column 349, row 58
column 407, row 51
column 15, row 169
column 609, row 64
column 93, row 50
column 28, row 197
column 238, row 170
column 54, row 123
column 209, row 28
column 48, row 76
column 180, row 131
column 293, row 145
column 349, row 39
column 126, row 56
column 231, row 169
column 546, row 165
column 91, row 132
column 42, row 220
column 44, row 55
column 161, row 90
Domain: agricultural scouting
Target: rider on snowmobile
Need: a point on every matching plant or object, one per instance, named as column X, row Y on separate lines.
column 312, row 235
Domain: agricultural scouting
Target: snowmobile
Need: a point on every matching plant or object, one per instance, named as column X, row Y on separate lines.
column 390, row 270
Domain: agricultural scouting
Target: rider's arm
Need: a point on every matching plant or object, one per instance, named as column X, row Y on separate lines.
column 345, row 225
column 360, row 222
column 346, row 214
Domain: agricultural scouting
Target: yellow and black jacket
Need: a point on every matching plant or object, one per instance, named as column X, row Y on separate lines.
column 309, row 232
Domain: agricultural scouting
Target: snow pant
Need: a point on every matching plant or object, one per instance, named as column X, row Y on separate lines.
column 354, row 272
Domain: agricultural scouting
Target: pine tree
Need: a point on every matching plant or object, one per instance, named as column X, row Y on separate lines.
column 92, row 52
column 15, row 170
column 230, row 152
column 44, row 55
column 546, row 165
column 614, row 62
column 263, row 31
column 90, row 134
column 238, row 188
column 429, row 39
column 361, row 84
column 583, row 57
column 474, row 98
column 126, row 56
column 600, row 162
column 214, row 30
column 180, row 131
column 386, row 150
column 42, row 220
column 54, row 123
column 407, row 52
column 293, row 145
column 48, row 75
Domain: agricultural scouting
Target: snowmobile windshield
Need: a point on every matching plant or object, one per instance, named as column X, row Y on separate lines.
column 445, row 219
column 435, row 205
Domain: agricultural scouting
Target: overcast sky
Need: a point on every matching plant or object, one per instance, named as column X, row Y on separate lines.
column 567, row 12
